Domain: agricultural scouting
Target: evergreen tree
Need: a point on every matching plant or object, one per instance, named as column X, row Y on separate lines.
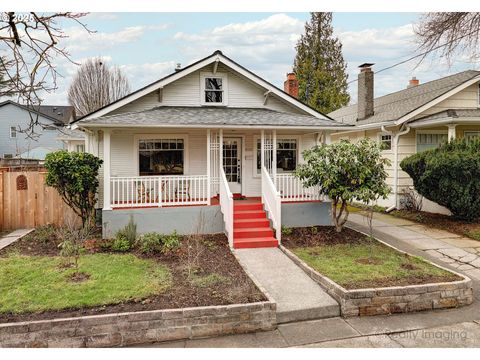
column 320, row 67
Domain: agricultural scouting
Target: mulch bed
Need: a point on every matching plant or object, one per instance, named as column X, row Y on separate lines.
column 320, row 235
column 442, row 222
column 204, row 255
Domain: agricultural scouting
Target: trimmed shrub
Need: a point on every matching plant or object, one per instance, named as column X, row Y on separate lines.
column 449, row 176
column 153, row 242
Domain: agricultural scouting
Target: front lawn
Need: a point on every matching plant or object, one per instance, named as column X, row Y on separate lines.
column 355, row 261
column 35, row 283
column 199, row 271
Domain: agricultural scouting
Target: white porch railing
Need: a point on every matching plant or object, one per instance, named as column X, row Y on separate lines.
column 226, row 206
column 291, row 188
column 168, row 190
column 272, row 201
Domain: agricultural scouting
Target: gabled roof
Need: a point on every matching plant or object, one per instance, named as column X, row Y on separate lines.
column 60, row 115
column 63, row 114
column 402, row 105
column 217, row 56
column 183, row 116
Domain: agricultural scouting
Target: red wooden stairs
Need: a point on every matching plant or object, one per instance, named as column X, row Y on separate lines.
column 251, row 227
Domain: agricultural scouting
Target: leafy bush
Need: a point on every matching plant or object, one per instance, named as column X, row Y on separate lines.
column 128, row 232
column 346, row 172
column 450, row 176
column 75, row 176
column 121, row 244
column 286, row 231
column 154, row 242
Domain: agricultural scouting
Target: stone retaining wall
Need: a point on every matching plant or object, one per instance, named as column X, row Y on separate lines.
column 132, row 328
column 397, row 299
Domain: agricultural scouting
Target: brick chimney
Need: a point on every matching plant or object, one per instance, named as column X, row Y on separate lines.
column 365, row 91
column 290, row 86
column 413, row 82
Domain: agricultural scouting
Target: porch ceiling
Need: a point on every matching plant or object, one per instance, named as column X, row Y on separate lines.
column 212, row 116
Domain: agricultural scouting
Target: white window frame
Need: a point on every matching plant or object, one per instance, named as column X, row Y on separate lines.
column 423, row 132
column 224, row 77
column 256, row 138
column 13, row 135
column 136, row 150
column 380, row 141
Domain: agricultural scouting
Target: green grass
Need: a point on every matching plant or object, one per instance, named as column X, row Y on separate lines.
column 32, row 284
column 340, row 263
column 208, row 280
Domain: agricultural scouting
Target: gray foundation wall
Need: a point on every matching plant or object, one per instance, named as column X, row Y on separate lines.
column 185, row 220
column 306, row 214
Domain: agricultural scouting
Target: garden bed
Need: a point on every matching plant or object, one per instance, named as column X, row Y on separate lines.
column 200, row 272
column 369, row 277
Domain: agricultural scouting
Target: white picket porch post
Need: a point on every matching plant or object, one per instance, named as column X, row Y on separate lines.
column 220, row 150
column 274, row 157
column 106, row 171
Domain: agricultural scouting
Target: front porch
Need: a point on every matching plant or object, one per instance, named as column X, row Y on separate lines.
column 202, row 197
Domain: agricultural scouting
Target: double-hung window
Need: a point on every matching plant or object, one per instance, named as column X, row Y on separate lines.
column 13, row 132
column 385, row 142
column 213, row 89
column 287, row 154
column 161, row 156
column 471, row 135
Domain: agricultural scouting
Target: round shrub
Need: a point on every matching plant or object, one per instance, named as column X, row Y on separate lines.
column 450, row 176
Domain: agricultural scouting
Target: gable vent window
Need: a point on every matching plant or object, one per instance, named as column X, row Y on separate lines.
column 213, row 89
column 386, row 142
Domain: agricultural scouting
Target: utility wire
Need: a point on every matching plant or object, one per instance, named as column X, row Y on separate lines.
column 418, row 55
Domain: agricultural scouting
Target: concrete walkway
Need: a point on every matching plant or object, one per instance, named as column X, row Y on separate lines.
column 298, row 297
column 450, row 250
column 13, row 236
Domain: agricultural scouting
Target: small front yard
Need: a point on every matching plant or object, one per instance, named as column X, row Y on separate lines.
column 37, row 283
column 355, row 261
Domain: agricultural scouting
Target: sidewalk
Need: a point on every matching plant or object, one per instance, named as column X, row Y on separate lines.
column 447, row 249
column 298, row 297
column 13, row 236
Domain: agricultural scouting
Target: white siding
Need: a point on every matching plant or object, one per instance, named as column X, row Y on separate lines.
column 186, row 92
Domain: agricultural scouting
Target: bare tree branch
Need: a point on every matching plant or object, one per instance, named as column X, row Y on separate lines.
column 32, row 47
column 96, row 85
column 448, row 34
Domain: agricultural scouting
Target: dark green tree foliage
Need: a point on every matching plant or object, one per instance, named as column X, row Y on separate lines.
column 450, row 176
column 320, row 67
column 75, row 176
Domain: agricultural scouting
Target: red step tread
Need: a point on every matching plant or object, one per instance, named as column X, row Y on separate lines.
column 248, row 243
column 249, row 206
column 251, row 223
column 252, row 232
column 249, row 214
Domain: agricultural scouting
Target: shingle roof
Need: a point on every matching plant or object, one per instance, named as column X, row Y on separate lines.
column 215, row 116
column 62, row 113
column 452, row 113
column 69, row 134
column 393, row 106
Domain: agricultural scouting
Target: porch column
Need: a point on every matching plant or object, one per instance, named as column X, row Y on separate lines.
column 262, row 150
column 327, row 139
column 274, row 157
column 452, row 132
column 106, row 170
column 220, row 150
column 209, row 173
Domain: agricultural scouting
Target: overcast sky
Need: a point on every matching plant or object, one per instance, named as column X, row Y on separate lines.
column 148, row 45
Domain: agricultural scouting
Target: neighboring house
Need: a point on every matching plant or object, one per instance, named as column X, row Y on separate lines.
column 420, row 117
column 74, row 140
column 162, row 147
column 16, row 118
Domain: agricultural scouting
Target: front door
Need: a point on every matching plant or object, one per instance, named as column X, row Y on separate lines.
column 232, row 163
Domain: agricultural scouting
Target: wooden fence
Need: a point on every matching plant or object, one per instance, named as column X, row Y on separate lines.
column 26, row 202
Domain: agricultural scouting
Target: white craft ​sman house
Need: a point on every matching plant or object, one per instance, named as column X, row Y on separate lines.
column 208, row 148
